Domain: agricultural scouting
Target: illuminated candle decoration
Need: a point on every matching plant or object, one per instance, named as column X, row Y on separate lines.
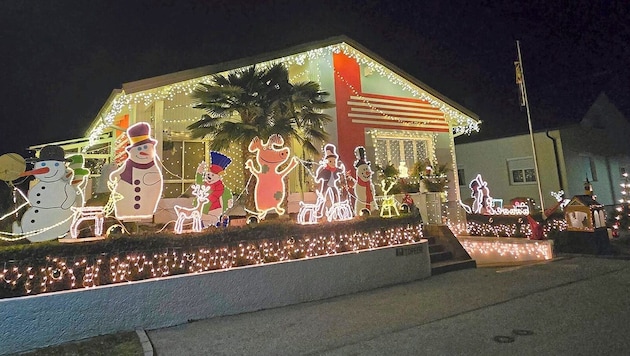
column 270, row 190
column 364, row 191
column 202, row 192
column 139, row 179
column 327, row 176
column 389, row 206
column 219, row 196
column 51, row 198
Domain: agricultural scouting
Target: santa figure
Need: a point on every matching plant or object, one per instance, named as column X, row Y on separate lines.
column 220, row 197
column 328, row 174
column 139, row 179
column 363, row 188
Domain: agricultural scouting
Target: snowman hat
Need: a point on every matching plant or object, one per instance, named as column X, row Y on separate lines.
column 219, row 162
column 359, row 153
column 330, row 151
column 139, row 134
column 50, row 153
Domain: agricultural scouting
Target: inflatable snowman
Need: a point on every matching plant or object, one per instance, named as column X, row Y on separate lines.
column 139, row 179
column 51, row 198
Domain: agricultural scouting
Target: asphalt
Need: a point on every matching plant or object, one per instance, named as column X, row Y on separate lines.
column 573, row 305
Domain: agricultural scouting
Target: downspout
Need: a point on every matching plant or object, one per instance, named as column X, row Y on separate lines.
column 555, row 153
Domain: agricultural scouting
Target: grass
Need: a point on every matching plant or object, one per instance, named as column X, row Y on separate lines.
column 121, row 344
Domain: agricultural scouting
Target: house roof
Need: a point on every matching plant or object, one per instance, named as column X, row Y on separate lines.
column 585, row 200
column 466, row 116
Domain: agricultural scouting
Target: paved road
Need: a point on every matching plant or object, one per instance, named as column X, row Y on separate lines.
column 571, row 306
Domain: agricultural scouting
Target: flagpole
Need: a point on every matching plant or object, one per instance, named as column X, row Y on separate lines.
column 529, row 122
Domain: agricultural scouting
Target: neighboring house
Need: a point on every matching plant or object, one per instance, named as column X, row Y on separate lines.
column 596, row 149
column 395, row 116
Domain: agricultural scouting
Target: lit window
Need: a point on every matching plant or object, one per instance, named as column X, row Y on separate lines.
column 521, row 170
column 180, row 160
column 394, row 151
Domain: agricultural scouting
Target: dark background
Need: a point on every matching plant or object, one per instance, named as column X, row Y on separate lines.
column 61, row 59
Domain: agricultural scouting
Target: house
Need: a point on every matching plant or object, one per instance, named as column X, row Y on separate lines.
column 397, row 118
column 596, row 149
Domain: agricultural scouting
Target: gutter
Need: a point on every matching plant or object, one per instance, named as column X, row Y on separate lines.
column 555, row 153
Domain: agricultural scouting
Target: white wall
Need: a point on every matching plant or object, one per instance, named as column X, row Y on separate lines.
column 55, row 318
column 489, row 158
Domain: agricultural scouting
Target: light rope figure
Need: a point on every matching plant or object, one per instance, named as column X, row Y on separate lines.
column 389, row 201
column 202, row 192
column 96, row 213
column 328, row 175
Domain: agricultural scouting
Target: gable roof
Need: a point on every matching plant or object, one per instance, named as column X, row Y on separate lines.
column 460, row 118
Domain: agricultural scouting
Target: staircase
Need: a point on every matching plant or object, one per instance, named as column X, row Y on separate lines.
column 446, row 253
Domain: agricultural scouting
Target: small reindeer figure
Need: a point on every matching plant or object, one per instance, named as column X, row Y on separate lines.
column 194, row 213
column 389, row 201
column 310, row 210
column 270, row 189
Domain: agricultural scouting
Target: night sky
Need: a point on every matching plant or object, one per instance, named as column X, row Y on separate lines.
column 61, row 59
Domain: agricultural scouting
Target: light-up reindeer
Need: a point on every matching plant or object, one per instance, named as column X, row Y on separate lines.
column 312, row 210
column 270, row 188
column 194, row 213
column 389, row 201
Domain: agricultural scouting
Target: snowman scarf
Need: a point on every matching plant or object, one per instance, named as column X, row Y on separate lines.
column 127, row 174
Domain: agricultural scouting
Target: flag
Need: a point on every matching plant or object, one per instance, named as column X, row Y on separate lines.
column 519, row 81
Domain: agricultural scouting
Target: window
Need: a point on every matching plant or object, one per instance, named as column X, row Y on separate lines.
column 461, row 177
column 395, row 150
column 588, row 166
column 521, row 170
column 180, row 160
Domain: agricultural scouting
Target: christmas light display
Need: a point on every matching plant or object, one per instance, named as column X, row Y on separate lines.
column 513, row 250
column 270, row 190
column 460, row 123
column 364, row 191
column 328, row 174
column 622, row 211
column 202, row 193
column 139, row 180
column 480, row 192
column 389, row 205
column 219, row 196
column 51, row 198
column 63, row 273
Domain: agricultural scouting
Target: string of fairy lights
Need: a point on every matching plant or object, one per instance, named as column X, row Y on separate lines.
column 460, row 123
column 63, row 273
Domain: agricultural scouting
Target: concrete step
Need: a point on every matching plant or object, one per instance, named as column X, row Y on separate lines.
column 436, row 248
column 440, row 256
column 451, row 265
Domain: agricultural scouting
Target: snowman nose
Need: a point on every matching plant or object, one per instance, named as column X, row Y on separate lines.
column 143, row 153
column 35, row 172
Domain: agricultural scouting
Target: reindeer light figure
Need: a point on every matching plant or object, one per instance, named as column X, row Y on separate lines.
column 270, row 189
column 313, row 211
column 389, row 201
column 194, row 213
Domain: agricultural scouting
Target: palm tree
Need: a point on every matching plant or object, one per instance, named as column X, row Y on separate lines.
column 251, row 102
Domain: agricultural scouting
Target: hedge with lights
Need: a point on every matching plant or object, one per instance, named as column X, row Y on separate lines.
column 53, row 266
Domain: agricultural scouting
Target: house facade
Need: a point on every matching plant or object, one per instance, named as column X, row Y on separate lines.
column 596, row 149
column 398, row 119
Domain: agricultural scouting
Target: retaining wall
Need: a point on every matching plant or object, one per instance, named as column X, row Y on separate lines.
column 49, row 319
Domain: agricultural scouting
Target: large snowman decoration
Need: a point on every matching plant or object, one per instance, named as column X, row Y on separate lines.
column 51, row 198
column 139, row 179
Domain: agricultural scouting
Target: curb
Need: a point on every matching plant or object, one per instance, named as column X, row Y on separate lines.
column 147, row 348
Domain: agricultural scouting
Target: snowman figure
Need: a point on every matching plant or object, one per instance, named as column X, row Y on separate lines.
column 139, row 179
column 364, row 188
column 51, row 198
